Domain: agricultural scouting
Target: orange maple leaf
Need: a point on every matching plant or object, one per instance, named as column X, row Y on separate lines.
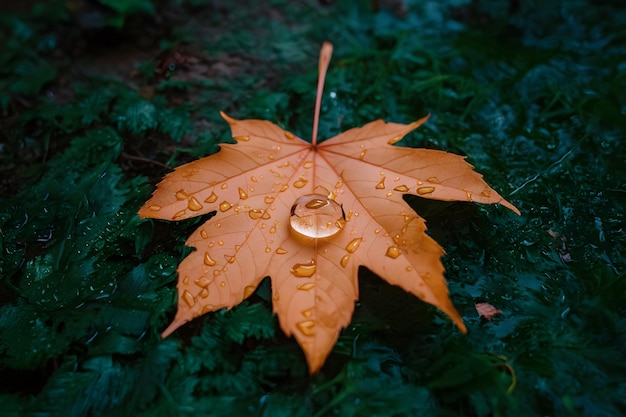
column 308, row 215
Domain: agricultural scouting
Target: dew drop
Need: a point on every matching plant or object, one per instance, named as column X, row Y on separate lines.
column 179, row 214
column 217, row 273
column 344, row 260
column 402, row 188
column 248, row 291
column 308, row 164
column 272, row 230
column 224, row 186
column 362, row 154
column 186, row 281
column 301, row 182
column 204, row 234
column 211, row 199
column 268, row 249
column 394, row 139
column 434, row 180
column 203, row 282
column 284, row 187
column 269, row 199
column 255, row 214
column 468, row 195
column 316, row 216
column 307, row 313
column 354, row 244
column 241, row 138
column 242, row 194
column 181, row 195
column 266, row 215
column 304, row 270
column 381, row 184
column 204, row 293
column 425, row 190
column 306, row 286
column 194, row 204
column 189, row 298
column 223, row 284
column 225, row 206
column 154, row 208
column 408, row 269
column 389, row 194
column 290, row 135
column 393, row 252
column 280, row 251
column 307, row 327
column 230, row 259
column 486, row 193
column 339, row 184
column 208, row 261
column 207, row 308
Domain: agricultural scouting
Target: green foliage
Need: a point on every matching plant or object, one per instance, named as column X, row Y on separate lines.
column 92, row 114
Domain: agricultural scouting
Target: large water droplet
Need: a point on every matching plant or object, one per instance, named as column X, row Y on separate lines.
column 242, row 194
column 204, row 234
column 344, row 260
column 304, row 270
column 225, row 206
column 317, row 216
column 381, row 184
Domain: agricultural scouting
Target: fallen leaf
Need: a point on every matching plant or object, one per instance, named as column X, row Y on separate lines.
column 486, row 310
column 308, row 215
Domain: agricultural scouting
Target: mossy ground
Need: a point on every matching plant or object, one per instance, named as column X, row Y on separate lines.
column 99, row 99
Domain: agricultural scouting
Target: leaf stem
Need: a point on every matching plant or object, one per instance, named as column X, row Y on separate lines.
column 325, row 54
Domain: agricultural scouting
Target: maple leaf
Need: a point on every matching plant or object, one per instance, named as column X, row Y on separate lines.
column 308, row 215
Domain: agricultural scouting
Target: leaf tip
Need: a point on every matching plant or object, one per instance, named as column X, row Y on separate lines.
column 226, row 117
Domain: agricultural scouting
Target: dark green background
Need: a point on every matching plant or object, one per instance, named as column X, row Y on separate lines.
column 99, row 98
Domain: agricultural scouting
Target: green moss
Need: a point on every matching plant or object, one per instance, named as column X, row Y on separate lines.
column 93, row 114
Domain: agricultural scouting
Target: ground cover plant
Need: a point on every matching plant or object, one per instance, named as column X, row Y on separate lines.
column 100, row 99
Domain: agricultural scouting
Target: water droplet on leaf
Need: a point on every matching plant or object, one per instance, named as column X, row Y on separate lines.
column 225, row 206
column 381, row 184
column 402, row 188
column 189, row 298
column 393, row 252
column 242, row 194
column 211, row 199
column 194, row 204
column 208, row 261
column 301, row 182
column 307, row 327
column 304, row 270
column 316, row 216
column 354, row 244
column 425, row 190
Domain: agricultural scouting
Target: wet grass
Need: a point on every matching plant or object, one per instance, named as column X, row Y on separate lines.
column 99, row 102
